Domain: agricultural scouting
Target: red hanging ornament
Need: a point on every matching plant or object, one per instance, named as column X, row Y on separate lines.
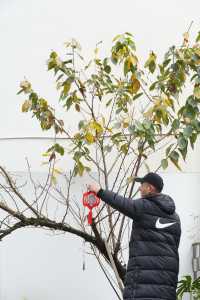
column 90, row 200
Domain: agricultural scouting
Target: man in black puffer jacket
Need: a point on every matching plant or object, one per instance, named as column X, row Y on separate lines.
column 153, row 266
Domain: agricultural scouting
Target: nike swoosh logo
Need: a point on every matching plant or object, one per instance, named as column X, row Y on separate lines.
column 160, row 225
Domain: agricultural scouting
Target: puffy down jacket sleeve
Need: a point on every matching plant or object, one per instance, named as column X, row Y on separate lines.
column 127, row 206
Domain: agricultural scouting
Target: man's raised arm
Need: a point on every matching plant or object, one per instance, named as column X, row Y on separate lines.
column 128, row 207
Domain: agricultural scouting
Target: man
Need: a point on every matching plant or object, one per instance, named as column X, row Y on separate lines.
column 153, row 266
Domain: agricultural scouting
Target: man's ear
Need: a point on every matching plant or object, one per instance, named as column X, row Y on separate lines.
column 153, row 189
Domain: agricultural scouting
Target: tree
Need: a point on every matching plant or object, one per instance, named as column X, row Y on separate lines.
column 126, row 113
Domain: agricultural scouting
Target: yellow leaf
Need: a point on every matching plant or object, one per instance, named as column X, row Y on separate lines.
column 53, row 180
column 157, row 118
column 117, row 37
column 58, row 171
column 187, row 120
column 103, row 121
column 125, row 124
column 44, row 163
column 95, row 125
column 89, row 138
column 46, row 154
column 96, row 52
column 134, row 60
column 130, row 179
column 197, row 51
column 149, row 113
column 131, row 61
column 197, row 92
column 110, row 130
column 66, row 88
column 77, row 107
column 26, row 106
column 25, row 86
column 157, row 101
column 168, row 102
column 147, row 167
column 135, row 84
column 186, row 36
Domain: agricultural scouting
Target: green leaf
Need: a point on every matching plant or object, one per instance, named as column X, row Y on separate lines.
column 139, row 126
column 187, row 132
column 152, row 66
column 81, row 124
column 131, row 129
column 69, row 61
column 164, row 163
column 174, row 157
column 147, row 124
column 182, row 142
column 129, row 34
column 53, row 54
column 59, row 77
column 59, row 149
column 87, row 169
column 175, row 124
column 108, row 148
column 69, row 102
column 152, row 87
column 79, row 169
column 51, row 65
column 126, row 68
column 198, row 37
column 50, row 149
column 20, row 91
column 192, row 139
column 183, row 152
column 193, row 77
column 77, row 155
column 189, row 112
column 166, row 62
column 124, row 148
column 109, row 102
column 137, row 96
column 114, row 58
column 151, row 62
column 66, row 88
column 117, row 37
column 107, row 69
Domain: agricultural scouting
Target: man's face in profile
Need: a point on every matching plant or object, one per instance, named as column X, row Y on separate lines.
column 146, row 189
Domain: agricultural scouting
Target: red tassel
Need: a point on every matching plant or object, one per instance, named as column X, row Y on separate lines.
column 90, row 217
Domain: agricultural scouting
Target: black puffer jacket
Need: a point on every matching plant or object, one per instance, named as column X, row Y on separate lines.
column 153, row 266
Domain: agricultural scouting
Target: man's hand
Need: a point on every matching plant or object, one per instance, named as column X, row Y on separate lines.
column 93, row 187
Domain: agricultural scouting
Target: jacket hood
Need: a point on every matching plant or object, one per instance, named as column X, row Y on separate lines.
column 165, row 202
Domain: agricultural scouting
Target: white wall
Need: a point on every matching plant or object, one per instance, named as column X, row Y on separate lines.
column 37, row 265
column 29, row 30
